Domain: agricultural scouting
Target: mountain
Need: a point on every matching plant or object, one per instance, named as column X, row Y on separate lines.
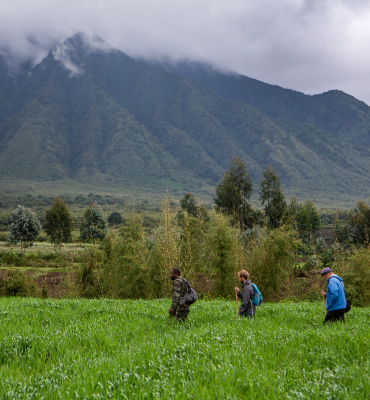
column 90, row 115
column 335, row 112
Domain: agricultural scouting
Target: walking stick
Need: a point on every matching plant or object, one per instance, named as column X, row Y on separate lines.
column 324, row 302
column 236, row 298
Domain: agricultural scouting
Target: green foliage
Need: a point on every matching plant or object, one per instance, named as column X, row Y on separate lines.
column 233, row 193
column 306, row 221
column 13, row 258
column 270, row 257
column 94, row 226
column 193, row 246
column 359, row 222
column 190, row 205
column 58, row 223
column 273, row 198
column 44, row 290
column 17, row 283
column 222, row 251
column 24, row 228
column 356, row 276
column 128, row 272
column 115, row 218
column 88, row 277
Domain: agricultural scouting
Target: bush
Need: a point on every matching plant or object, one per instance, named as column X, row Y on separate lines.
column 13, row 258
column 88, row 277
column 3, row 237
column 220, row 251
column 17, row 283
column 115, row 218
column 356, row 277
column 128, row 272
column 271, row 257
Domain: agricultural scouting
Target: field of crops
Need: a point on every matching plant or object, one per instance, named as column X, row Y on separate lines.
column 129, row 349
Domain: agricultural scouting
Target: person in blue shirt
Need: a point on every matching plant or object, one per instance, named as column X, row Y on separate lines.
column 335, row 296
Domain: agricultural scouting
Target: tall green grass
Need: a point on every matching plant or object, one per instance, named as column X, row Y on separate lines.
column 129, row 349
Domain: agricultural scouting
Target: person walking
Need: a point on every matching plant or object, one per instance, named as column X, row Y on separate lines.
column 247, row 309
column 335, row 296
column 179, row 312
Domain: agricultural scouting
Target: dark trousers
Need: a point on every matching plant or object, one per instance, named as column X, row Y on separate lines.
column 336, row 315
column 181, row 315
column 248, row 314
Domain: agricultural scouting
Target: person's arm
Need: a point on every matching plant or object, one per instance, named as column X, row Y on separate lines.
column 244, row 303
column 333, row 294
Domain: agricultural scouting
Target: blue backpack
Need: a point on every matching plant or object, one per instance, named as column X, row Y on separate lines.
column 257, row 298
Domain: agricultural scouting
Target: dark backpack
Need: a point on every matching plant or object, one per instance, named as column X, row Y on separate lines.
column 348, row 303
column 190, row 295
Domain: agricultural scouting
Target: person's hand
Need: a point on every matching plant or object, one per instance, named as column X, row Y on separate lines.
column 171, row 311
column 237, row 290
column 323, row 294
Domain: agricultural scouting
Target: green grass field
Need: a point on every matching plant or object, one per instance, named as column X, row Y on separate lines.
column 55, row 349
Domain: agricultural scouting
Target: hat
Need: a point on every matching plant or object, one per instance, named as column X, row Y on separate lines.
column 325, row 270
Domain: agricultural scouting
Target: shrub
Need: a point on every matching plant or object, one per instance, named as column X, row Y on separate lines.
column 3, row 237
column 356, row 277
column 193, row 254
column 115, row 218
column 88, row 277
column 13, row 258
column 271, row 257
column 17, row 283
column 224, row 251
column 128, row 272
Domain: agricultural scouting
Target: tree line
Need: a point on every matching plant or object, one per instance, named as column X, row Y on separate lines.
column 58, row 224
column 209, row 247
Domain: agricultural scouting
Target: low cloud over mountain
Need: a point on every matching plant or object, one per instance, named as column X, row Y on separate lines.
column 310, row 46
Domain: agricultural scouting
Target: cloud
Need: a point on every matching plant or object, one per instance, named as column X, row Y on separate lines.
column 306, row 45
column 65, row 51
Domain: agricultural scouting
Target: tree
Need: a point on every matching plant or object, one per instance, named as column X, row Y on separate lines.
column 93, row 226
column 190, row 205
column 24, row 227
column 273, row 198
column 233, row 193
column 359, row 224
column 115, row 218
column 306, row 222
column 58, row 223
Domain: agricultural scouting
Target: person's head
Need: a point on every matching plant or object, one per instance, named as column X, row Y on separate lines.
column 326, row 273
column 243, row 275
column 175, row 273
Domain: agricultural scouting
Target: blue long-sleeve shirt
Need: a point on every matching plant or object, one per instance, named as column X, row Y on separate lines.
column 335, row 296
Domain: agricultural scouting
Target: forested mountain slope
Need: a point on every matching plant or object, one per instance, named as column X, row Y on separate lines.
column 335, row 112
column 91, row 114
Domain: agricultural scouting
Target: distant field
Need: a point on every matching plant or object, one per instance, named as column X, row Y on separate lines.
column 130, row 350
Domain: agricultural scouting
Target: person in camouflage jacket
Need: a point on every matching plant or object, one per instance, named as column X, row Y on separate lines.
column 180, row 312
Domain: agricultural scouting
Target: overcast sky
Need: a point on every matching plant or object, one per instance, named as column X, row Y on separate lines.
column 311, row 46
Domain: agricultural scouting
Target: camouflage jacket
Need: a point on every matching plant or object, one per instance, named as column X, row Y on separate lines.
column 178, row 291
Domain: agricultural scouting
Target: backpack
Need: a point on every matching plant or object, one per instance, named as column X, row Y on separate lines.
column 257, row 298
column 348, row 303
column 190, row 295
